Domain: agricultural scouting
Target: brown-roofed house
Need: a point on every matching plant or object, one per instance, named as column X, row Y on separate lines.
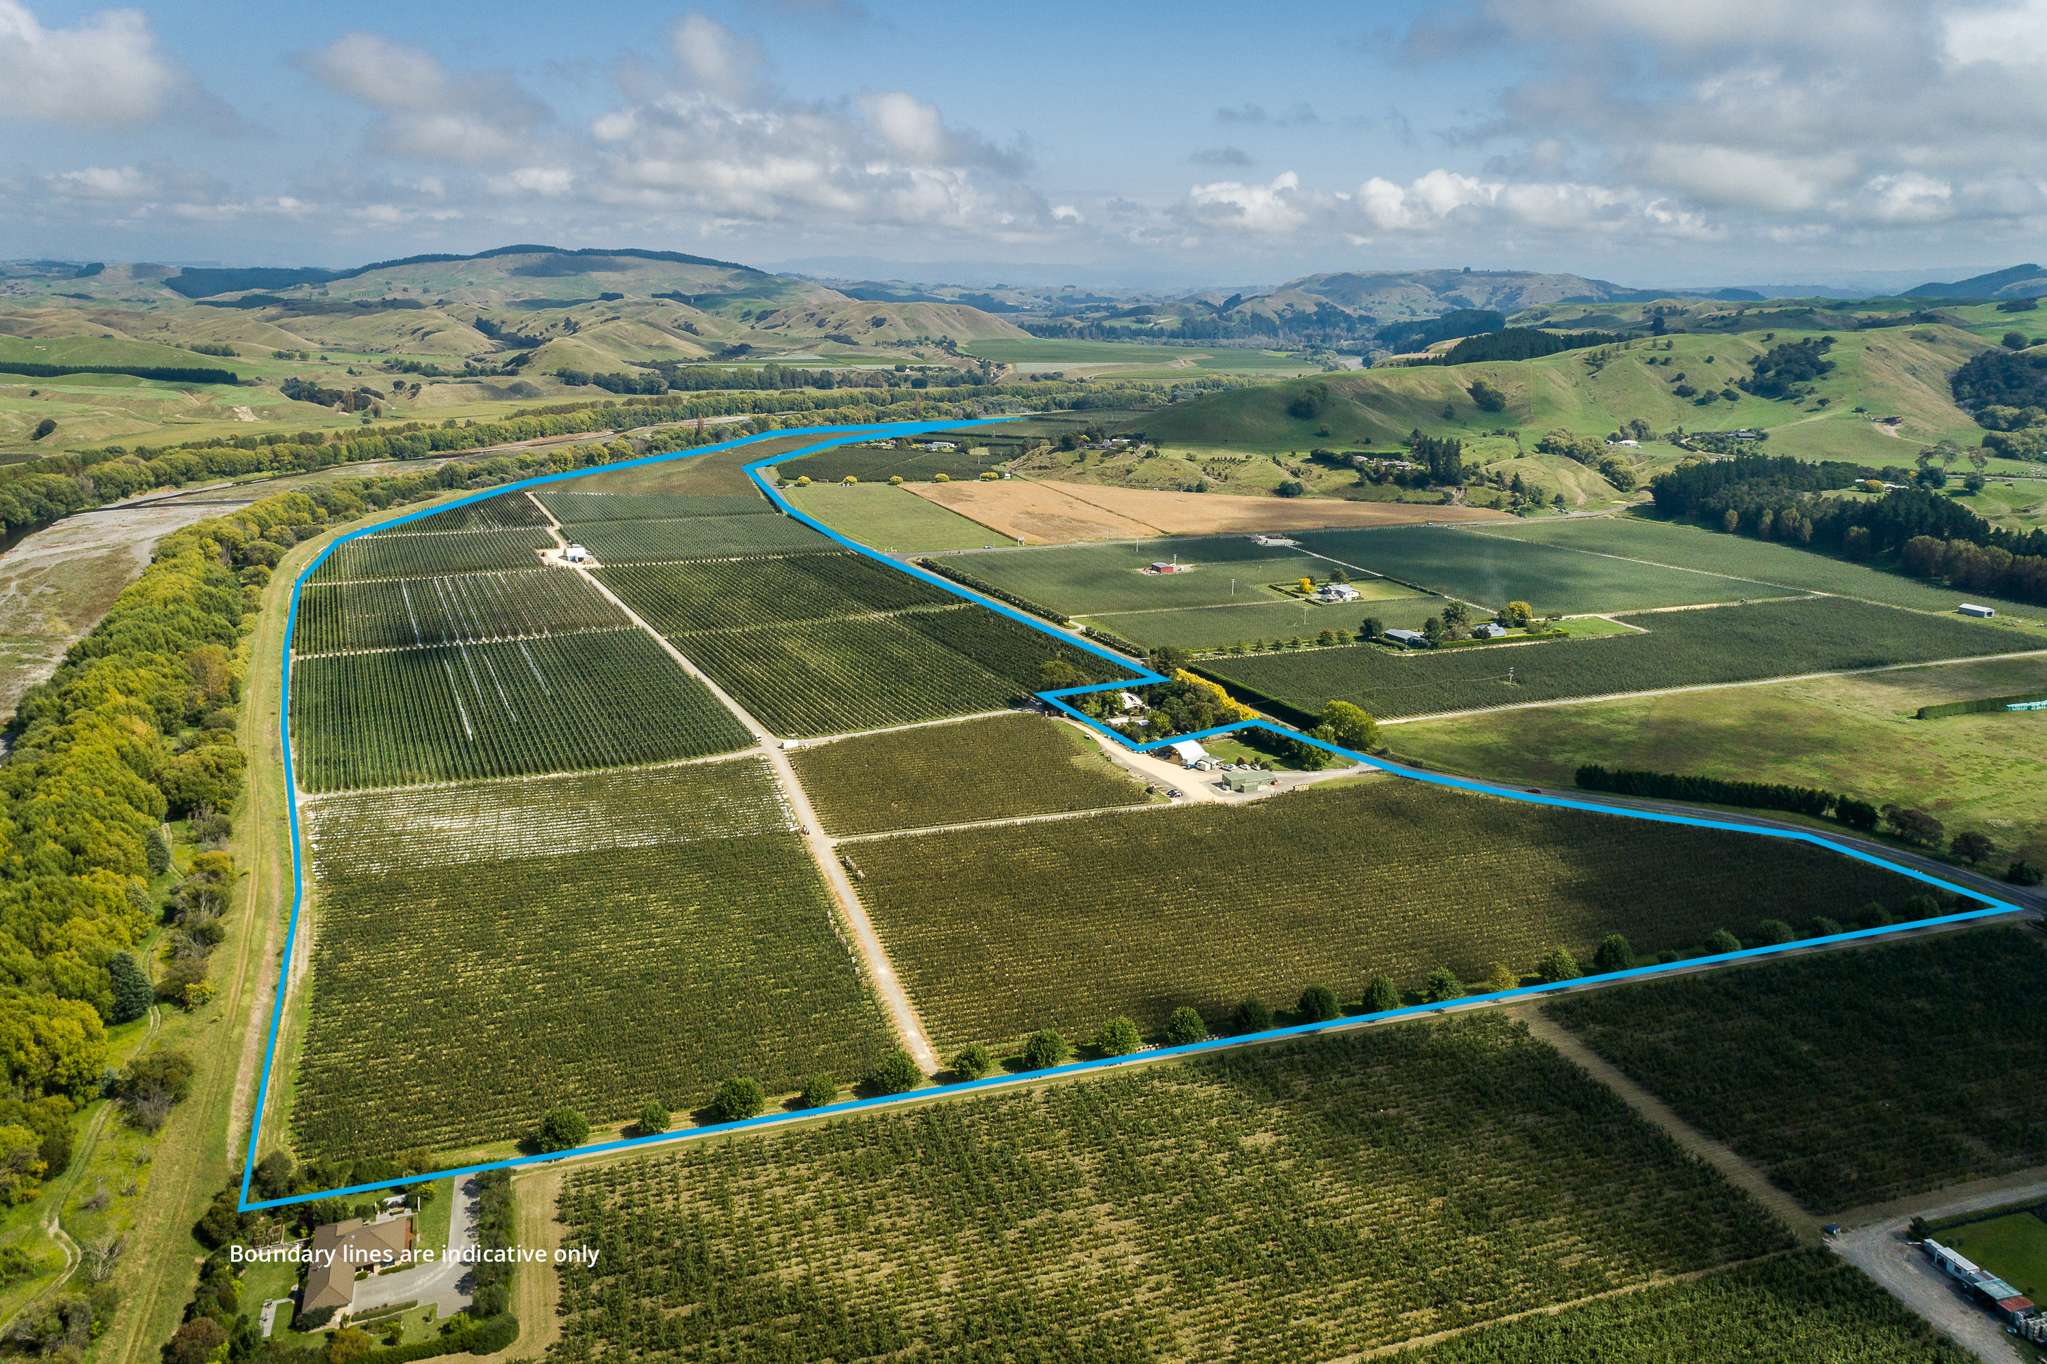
column 340, row 1249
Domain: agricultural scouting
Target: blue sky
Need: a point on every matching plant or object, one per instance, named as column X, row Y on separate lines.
column 1668, row 142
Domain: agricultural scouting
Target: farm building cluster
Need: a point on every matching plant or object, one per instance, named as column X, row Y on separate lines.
column 2009, row 1305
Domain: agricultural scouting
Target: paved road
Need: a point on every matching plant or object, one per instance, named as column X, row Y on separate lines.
column 443, row 1281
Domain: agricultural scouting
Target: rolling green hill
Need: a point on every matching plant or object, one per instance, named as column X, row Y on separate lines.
column 1899, row 372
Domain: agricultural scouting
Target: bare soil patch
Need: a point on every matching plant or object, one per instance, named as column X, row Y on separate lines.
column 1048, row 511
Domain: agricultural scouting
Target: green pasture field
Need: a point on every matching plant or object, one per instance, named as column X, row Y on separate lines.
column 1891, row 371
column 1076, row 580
column 1268, row 1203
column 998, row 768
column 1050, row 352
column 457, row 608
column 2012, row 1246
column 893, row 520
column 878, row 463
column 647, row 936
column 715, row 594
column 701, row 537
column 1853, row 734
column 453, row 712
column 1711, row 646
column 1000, row 931
column 1810, row 1305
column 1218, row 627
column 1850, row 1077
column 404, row 553
column 1763, row 562
column 1492, row 570
column 2018, row 504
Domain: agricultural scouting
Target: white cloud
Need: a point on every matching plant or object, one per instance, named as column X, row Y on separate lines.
column 102, row 182
column 1423, row 203
column 1910, row 198
column 718, row 60
column 1746, row 177
column 1277, row 206
column 104, row 70
column 548, row 182
column 1067, row 213
column 2001, row 34
column 426, row 111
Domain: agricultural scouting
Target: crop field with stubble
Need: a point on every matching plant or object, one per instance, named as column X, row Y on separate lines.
column 486, row 952
column 1267, row 1203
column 1714, row 645
column 999, row 931
column 1853, row 1077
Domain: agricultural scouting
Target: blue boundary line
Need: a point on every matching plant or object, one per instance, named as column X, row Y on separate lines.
column 1140, row 676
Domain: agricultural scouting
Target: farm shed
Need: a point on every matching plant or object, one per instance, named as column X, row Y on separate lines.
column 1190, row 753
column 1164, row 566
column 574, row 554
column 1412, row 639
column 1489, row 630
column 1969, row 608
column 1336, row 592
column 1129, row 700
column 1246, row 782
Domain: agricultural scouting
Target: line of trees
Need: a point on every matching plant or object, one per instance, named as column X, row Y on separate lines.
column 1755, row 795
column 175, row 374
column 1522, row 343
column 1926, row 535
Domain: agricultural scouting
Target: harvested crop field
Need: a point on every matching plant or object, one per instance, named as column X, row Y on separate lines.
column 1048, row 511
column 1002, row 930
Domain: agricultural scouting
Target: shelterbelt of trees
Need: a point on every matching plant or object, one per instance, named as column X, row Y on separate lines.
column 136, row 726
column 39, row 492
column 1925, row 534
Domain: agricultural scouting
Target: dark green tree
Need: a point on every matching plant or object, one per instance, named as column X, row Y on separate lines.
column 560, row 1129
column 1253, row 1015
column 133, row 993
column 738, row 1098
column 1381, row 995
column 1185, row 1026
column 897, row 1073
column 1045, row 1049
column 1615, row 953
column 1318, row 1004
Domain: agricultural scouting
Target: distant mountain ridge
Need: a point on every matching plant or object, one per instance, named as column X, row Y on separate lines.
column 2014, row 281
